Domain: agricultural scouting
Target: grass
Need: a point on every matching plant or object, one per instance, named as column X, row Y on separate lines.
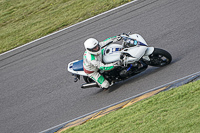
column 22, row 21
column 176, row 110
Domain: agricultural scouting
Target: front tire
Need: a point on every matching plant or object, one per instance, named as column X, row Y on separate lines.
column 159, row 58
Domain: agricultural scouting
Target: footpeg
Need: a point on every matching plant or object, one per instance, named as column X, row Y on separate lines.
column 76, row 77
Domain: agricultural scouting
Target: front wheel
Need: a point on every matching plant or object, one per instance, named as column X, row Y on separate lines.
column 159, row 58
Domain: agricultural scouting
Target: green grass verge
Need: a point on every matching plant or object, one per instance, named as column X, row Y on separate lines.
column 176, row 110
column 22, row 21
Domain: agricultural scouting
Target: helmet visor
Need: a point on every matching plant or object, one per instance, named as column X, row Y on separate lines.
column 95, row 49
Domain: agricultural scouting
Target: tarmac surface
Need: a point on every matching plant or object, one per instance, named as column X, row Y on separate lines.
column 37, row 91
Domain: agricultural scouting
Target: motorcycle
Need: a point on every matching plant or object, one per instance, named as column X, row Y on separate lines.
column 133, row 52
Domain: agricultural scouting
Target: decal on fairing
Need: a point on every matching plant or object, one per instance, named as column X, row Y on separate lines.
column 141, row 44
column 112, row 50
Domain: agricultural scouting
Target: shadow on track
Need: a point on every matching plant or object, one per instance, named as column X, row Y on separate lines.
column 139, row 76
column 149, row 71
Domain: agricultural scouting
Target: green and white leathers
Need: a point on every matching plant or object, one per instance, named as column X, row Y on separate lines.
column 92, row 63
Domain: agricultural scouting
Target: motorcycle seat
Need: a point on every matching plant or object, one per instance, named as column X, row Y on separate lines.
column 78, row 66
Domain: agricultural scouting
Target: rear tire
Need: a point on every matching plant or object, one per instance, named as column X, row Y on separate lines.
column 159, row 58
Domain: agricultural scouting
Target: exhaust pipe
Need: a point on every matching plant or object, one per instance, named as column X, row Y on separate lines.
column 88, row 85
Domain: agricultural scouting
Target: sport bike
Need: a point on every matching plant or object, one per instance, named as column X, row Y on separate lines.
column 134, row 54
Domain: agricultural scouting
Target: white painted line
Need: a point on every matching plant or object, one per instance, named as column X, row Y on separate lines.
column 62, row 124
column 67, row 27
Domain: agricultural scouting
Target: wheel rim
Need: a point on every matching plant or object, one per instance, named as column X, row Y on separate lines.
column 159, row 60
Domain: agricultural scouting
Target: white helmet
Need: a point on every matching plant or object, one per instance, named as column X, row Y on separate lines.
column 92, row 46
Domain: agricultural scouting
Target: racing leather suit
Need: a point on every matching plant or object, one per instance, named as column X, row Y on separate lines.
column 92, row 63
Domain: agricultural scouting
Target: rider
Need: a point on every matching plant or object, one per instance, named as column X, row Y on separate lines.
column 92, row 60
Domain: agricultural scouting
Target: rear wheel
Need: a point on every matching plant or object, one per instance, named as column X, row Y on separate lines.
column 159, row 58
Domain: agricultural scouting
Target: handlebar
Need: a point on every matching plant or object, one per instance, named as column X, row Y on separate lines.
column 125, row 35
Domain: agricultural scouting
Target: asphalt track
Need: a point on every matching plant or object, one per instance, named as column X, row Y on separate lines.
column 38, row 93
